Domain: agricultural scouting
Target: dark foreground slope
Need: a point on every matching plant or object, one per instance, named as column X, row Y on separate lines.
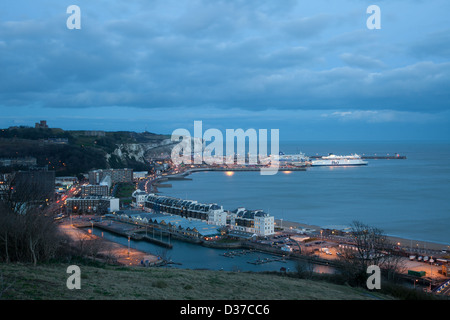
column 104, row 282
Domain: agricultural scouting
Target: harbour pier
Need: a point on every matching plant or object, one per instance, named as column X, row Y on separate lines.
column 133, row 232
column 372, row 157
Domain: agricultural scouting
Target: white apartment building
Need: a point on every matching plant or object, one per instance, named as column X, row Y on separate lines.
column 256, row 222
column 139, row 198
column 92, row 205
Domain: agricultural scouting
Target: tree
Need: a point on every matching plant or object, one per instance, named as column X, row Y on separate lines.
column 28, row 232
column 370, row 247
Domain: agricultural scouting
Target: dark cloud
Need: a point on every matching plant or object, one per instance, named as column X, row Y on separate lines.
column 253, row 55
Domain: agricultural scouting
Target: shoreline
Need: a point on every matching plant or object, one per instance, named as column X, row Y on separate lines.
column 109, row 249
column 422, row 245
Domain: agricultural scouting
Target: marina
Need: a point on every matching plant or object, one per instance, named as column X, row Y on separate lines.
column 232, row 254
column 258, row 260
column 193, row 256
column 266, row 260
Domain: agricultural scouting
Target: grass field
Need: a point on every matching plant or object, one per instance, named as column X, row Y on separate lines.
column 104, row 282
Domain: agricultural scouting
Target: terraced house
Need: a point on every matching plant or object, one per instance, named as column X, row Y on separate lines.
column 251, row 222
column 212, row 213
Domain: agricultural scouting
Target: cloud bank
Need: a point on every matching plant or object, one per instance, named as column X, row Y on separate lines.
column 222, row 55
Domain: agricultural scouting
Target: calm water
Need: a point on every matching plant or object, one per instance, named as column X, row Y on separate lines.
column 192, row 256
column 407, row 198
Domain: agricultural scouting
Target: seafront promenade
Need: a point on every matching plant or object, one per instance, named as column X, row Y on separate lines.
column 434, row 272
column 414, row 245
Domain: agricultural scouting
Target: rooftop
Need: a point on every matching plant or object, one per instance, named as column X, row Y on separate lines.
column 202, row 227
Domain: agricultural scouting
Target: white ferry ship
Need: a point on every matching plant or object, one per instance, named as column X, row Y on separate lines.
column 334, row 160
column 292, row 158
column 299, row 159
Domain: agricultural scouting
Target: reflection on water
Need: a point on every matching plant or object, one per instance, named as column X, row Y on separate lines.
column 192, row 256
column 405, row 198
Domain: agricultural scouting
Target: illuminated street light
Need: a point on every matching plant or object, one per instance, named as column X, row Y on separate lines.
column 128, row 245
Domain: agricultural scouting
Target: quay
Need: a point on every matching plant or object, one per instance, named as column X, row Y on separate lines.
column 227, row 169
column 110, row 251
column 374, row 157
column 160, row 182
column 131, row 231
column 383, row 157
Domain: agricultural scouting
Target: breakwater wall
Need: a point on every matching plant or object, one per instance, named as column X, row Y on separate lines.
column 374, row 157
column 133, row 234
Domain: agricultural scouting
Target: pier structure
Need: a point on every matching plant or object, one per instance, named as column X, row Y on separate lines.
column 372, row 157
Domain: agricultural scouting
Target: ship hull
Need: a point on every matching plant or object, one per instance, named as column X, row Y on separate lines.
column 341, row 162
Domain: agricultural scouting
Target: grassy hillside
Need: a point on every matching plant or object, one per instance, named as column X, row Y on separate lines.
column 103, row 282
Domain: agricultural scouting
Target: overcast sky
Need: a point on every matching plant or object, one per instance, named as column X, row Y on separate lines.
column 309, row 68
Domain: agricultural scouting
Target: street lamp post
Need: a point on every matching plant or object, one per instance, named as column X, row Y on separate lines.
column 128, row 245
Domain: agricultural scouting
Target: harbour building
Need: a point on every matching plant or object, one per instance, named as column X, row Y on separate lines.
column 212, row 213
column 92, row 205
column 37, row 185
column 241, row 220
column 116, row 175
column 174, row 223
column 252, row 221
column 94, row 190
column 138, row 198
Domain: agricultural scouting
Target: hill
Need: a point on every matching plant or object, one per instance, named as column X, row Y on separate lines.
column 75, row 152
column 106, row 282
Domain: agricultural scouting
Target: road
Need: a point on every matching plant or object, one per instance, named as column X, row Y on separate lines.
column 113, row 250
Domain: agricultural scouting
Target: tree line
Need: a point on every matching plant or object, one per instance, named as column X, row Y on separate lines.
column 27, row 231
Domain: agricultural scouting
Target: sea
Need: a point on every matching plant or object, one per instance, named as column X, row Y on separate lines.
column 407, row 198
